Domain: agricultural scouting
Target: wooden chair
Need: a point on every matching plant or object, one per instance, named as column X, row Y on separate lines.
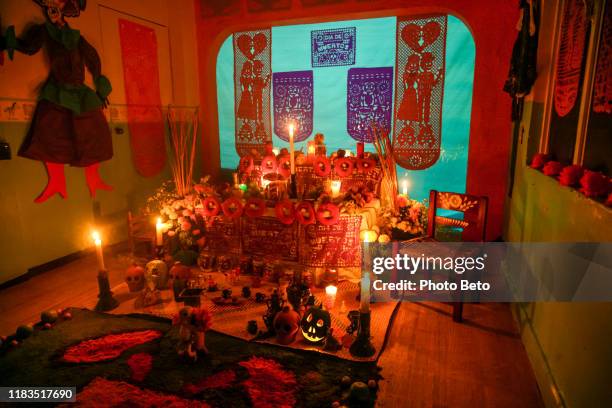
column 140, row 230
column 472, row 225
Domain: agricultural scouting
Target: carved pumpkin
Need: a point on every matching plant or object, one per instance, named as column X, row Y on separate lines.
column 134, row 277
column 286, row 325
column 315, row 324
column 156, row 272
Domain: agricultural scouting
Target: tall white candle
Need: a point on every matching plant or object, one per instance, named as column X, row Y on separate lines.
column 405, row 187
column 159, row 231
column 330, row 296
column 99, row 253
column 364, row 306
column 291, row 148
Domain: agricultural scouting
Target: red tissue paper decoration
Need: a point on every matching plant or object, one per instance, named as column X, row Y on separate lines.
column 538, row 161
column 419, row 90
column 141, row 77
column 602, row 92
column 570, row 175
column 252, row 71
column 552, row 168
column 594, row 184
column 269, row 385
column 108, row 347
column 140, row 365
column 569, row 61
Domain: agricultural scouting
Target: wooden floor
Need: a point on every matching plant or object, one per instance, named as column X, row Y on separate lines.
column 429, row 360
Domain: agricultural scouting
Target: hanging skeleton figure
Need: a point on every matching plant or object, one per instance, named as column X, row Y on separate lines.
column 68, row 126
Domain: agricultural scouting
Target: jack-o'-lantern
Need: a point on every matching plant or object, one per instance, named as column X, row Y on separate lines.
column 315, row 324
column 134, row 277
column 286, row 325
column 156, row 272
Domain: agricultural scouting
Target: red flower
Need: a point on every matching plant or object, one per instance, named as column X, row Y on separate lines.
column 232, row 208
column 328, row 214
column 285, row 212
column 538, row 161
column 609, row 200
column 552, row 168
column 255, row 207
column 401, row 201
column 365, row 165
column 343, row 166
column 570, row 175
column 304, row 213
column 594, row 184
column 268, row 164
column 322, row 166
column 211, row 206
column 283, row 166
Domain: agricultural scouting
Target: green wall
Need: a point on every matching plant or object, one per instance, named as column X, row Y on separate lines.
column 33, row 234
column 569, row 344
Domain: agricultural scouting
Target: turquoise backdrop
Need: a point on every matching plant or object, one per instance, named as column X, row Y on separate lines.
column 375, row 47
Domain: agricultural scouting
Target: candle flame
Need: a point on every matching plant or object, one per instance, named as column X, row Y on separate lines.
column 95, row 235
column 159, row 221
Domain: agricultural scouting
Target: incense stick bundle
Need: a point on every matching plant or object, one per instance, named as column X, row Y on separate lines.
column 384, row 149
column 183, row 125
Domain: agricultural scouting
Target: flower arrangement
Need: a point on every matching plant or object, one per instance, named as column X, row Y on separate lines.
column 592, row 184
column 409, row 221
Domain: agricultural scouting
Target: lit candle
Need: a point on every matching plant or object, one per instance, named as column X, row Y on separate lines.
column 405, row 184
column 291, row 148
column 99, row 254
column 347, row 153
column 159, row 231
column 276, row 151
column 311, row 148
column 330, row 296
column 335, row 187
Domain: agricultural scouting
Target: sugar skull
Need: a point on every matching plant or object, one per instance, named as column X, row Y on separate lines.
column 134, row 277
column 315, row 324
column 286, row 325
column 156, row 271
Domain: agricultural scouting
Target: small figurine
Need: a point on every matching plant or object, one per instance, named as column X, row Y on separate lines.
column 246, row 292
column 193, row 324
column 150, row 295
column 332, row 344
column 275, row 305
column 212, row 285
column 252, row 327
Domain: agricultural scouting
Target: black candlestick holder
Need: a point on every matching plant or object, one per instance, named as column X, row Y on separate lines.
column 106, row 300
column 362, row 346
column 293, row 187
